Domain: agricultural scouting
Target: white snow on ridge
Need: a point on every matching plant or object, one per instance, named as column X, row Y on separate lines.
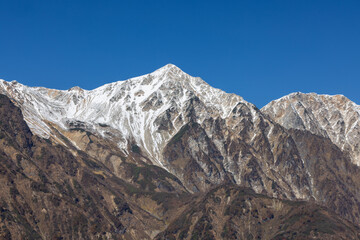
column 135, row 108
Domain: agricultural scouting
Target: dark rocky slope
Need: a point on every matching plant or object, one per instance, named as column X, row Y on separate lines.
column 232, row 212
column 48, row 192
column 262, row 155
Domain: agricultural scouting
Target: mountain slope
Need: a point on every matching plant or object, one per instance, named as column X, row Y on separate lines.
column 49, row 192
column 335, row 117
column 231, row 212
column 170, row 132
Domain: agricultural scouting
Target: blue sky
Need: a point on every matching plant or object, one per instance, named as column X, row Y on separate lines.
column 259, row 49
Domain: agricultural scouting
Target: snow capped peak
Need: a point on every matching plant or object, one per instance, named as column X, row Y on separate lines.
column 168, row 67
column 147, row 110
column 76, row 88
column 169, row 72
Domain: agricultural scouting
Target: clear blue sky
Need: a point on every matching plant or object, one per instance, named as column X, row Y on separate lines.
column 259, row 49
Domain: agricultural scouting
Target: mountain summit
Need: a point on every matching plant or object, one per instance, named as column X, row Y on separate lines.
column 136, row 109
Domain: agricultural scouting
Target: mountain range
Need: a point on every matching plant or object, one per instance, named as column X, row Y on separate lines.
column 166, row 156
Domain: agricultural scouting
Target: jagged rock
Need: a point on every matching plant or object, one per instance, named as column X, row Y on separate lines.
column 335, row 117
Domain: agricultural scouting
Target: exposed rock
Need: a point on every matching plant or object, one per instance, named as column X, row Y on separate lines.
column 230, row 212
column 148, row 151
column 48, row 192
column 335, row 117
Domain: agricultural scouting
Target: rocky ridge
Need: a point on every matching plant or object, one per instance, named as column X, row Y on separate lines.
column 147, row 110
column 335, row 117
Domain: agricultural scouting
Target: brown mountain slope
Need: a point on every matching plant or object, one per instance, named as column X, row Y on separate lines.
column 233, row 212
column 49, row 193
column 281, row 163
column 335, row 180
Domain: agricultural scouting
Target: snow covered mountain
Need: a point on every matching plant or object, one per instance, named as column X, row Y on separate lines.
column 335, row 117
column 202, row 136
column 147, row 110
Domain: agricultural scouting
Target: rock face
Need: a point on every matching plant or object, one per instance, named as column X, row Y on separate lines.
column 143, row 153
column 335, row 117
column 48, row 192
column 231, row 212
